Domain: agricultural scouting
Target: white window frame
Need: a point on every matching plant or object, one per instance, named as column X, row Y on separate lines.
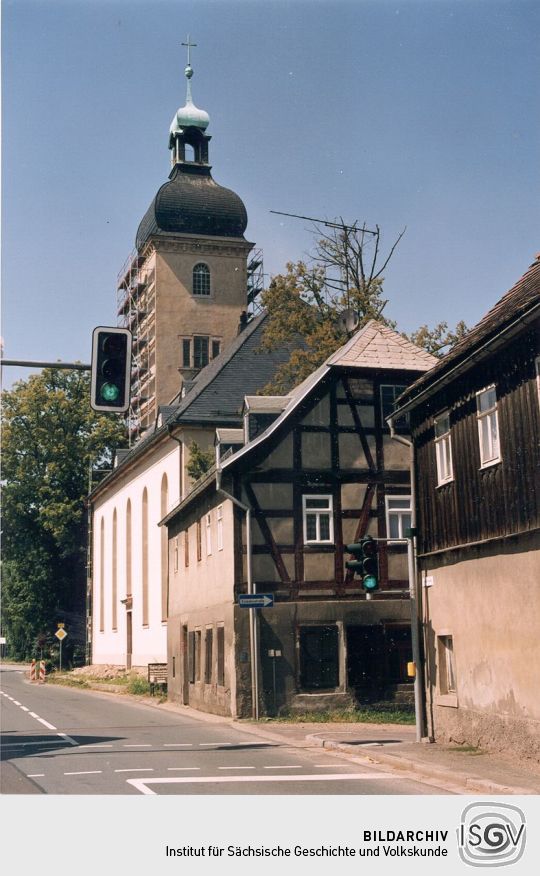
column 490, row 416
column 447, row 664
column 399, row 513
column 201, row 280
column 443, row 451
column 318, row 513
column 220, row 527
column 209, row 534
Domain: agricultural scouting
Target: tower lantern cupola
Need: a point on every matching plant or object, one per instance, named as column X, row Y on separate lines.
column 187, row 141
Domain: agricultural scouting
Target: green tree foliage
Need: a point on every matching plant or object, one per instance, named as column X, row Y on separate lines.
column 439, row 339
column 200, row 461
column 50, row 439
column 308, row 304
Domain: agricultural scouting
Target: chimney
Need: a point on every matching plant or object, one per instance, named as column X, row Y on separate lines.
column 243, row 322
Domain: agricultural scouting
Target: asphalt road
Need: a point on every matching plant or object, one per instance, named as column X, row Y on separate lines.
column 57, row 740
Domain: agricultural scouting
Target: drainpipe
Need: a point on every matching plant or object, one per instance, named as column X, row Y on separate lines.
column 253, row 626
column 415, row 592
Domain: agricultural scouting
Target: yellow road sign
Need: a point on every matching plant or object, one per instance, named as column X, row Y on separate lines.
column 60, row 634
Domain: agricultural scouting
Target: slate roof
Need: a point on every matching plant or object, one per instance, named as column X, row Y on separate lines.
column 513, row 307
column 191, row 202
column 377, row 346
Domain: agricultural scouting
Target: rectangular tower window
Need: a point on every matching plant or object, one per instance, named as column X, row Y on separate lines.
column 200, row 351
column 186, row 353
column 216, row 348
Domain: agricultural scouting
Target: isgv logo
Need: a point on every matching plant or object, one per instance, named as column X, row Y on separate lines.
column 491, row 834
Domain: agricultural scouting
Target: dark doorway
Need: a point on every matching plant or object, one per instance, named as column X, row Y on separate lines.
column 319, row 658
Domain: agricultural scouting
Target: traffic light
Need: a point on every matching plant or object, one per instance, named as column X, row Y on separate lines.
column 365, row 563
column 111, row 369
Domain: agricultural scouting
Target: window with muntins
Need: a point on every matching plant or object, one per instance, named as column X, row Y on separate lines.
column 221, row 656
column 208, row 534
column 208, row 656
column 488, row 426
column 389, row 394
column 200, row 351
column 318, row 519
column 201, row 279
column 398, row 516
column 443, row 449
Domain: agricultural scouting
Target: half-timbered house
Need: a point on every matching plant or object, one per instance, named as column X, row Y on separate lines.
column 475, row 422
column 311, row 473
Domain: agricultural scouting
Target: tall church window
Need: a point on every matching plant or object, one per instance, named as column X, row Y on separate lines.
column 164, row 551
column 128, row 548
column 102, row 576
column 145, row 558
column 114, row 570
column 201, row 279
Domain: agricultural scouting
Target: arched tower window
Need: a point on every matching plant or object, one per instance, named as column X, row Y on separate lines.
column 164, row 550
column 201, row 279
column 145, row 557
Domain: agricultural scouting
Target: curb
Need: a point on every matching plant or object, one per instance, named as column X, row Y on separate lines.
column 430, row 771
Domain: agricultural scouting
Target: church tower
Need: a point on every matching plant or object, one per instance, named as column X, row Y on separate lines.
column 184, row 290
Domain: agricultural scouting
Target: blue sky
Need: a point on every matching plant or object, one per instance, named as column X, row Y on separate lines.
column 416, row 114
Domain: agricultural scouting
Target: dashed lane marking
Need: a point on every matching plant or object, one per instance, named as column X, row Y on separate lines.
column 177, row 744
column 35, row 776
column 87, row 773
column 138, row 745
column 236, row 768
column 142, row 785
column 182, row 769
column 136, row 770
column 287, row 767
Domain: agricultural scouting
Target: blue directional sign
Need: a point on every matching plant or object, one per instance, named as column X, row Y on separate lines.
column 256, row 600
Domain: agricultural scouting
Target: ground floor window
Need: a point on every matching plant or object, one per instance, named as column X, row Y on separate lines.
column 221, row 656
column 208, row 657
column 447, row 667
column 319, row 658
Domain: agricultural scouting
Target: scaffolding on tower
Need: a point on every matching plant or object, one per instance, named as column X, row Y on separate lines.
column 136, row 312
column 255, row 282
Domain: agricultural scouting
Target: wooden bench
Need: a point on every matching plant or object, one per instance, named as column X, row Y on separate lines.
column 157, row 674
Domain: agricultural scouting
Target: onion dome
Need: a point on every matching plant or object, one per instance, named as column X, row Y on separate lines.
column 189, row 115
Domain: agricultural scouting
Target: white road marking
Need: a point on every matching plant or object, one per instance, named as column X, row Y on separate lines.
column 16, row 703
column 142, row 784
column 218, row 743
column 68, row 739
column 136, row 770
column 177, row 744
column 178, row 769
column 237, row 768
column 138, row 745
column 35, row 776
column 45, row 723
column 295, row 767
column 86, row 773
column 96, row 745
column 25, row 709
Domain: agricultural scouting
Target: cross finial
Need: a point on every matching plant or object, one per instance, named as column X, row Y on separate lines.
column 189, row 46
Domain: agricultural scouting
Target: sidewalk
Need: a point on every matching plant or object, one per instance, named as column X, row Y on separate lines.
column 393, row 746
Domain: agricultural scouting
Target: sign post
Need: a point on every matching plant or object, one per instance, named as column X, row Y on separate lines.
column 60, row 635
column 256, row 600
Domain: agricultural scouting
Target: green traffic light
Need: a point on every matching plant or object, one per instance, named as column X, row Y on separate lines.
column 370, row 582
column 109, row 392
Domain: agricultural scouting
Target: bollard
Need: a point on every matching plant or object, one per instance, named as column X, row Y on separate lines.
column 33, row 671
column 42, row 672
